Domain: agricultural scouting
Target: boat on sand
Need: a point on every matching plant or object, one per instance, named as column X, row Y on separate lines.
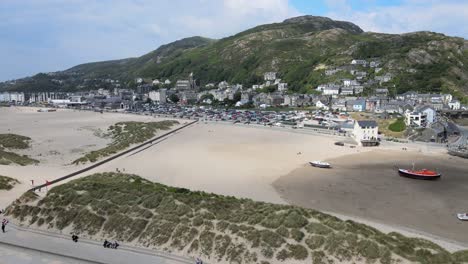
column 423, row 174
column 320, row 164
column 463, row 216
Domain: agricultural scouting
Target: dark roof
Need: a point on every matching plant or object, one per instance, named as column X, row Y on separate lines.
column 367, row 123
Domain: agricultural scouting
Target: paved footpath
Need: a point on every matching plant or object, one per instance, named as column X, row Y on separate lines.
column 23, row 246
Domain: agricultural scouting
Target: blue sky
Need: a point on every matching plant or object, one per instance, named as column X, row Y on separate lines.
column 50, row 35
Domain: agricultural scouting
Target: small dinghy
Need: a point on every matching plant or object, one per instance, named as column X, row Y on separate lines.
column 423, row 174
column 463, row 217
column 320, row 164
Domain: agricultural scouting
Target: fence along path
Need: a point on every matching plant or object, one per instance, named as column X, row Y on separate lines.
column 99, row 163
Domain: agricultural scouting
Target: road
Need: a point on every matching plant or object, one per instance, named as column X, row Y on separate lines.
column 24, row 246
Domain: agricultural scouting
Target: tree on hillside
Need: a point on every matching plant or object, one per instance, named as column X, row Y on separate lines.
column 174, row 98
column 237, row 96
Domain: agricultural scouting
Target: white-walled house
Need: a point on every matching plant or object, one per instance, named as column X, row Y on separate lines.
column 366, row 132
column 158, row 96
column 421, row 117
column 332, row 90
column 454, row 105
column 321, row 105
column 430, row 113
column 417, row 119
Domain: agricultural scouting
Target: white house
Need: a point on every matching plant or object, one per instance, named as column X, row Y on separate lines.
column 12, row 97
column 331, row 90
column 321, row 105
column 167, row 81
column 365, row 131
column 282, row 87
column 359, row 62
column 269, row 76
column 454, row 105
column 421, row 117
column 417, row 119
column 158, row 96
column 430, row 113
column 156, row 82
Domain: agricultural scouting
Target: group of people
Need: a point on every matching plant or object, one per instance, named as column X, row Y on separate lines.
column 74, row 237
column 108, row 244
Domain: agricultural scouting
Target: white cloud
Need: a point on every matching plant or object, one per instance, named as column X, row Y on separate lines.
column 69, row 32
column 448, row 17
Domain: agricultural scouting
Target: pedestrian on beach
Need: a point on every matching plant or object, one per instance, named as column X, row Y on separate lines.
column 4, row 223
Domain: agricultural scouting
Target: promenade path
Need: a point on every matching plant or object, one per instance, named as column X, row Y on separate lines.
column 24, row 245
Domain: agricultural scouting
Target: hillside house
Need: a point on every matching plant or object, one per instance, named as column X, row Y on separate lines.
column 421, row 116
column 381, row 91
column 269, row 76
column 321, row 105
column 347, row 91
column 454, row 105
column 359, row 62
column 356, row 105
column 282, row 87
column 331, row 90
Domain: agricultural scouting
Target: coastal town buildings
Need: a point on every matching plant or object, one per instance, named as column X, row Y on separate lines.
column 366, row 132
column 11, row 97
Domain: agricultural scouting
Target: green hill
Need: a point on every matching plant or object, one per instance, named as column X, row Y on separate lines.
column 299, row 49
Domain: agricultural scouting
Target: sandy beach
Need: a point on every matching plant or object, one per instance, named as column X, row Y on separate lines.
column 57, row 139
column 227, row 159
column 259, row 163
column 367, row 186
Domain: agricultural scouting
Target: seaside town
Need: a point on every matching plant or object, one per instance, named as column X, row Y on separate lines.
column 307, row 140
column 333, row 106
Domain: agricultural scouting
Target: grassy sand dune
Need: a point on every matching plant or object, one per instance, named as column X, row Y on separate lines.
column 7, row 183
column 123, row 135
column 10, row 142
column 218, row 228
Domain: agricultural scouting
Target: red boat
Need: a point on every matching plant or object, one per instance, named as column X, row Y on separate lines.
column 423, row 174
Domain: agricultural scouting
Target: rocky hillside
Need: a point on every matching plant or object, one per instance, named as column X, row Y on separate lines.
column 216, row 228
column 300, row 49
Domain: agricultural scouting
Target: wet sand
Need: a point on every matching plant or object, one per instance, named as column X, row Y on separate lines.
column 366, row 185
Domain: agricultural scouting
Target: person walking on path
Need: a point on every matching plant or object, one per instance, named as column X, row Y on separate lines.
column 4, row 223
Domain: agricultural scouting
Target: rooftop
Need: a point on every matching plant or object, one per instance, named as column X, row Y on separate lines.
column 367, row 123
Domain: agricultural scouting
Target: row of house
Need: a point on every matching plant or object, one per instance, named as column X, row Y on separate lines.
column 12, row 97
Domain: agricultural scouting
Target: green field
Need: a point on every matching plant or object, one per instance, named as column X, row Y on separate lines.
column 217, row 228
column 123, row 135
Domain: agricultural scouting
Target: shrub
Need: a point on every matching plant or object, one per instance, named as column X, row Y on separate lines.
column 7, row 183
column 315, row 242
column 397, row 126
column 317, row 228
column 297, row 235
column 283, row 231
column 206, row 242
column 295, row 220
column 271, row 238
column 298, row 252
column 267, row 252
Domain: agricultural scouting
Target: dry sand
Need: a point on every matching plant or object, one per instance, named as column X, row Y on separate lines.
column 367, row 186
column 228, row 159
column 58, row 138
